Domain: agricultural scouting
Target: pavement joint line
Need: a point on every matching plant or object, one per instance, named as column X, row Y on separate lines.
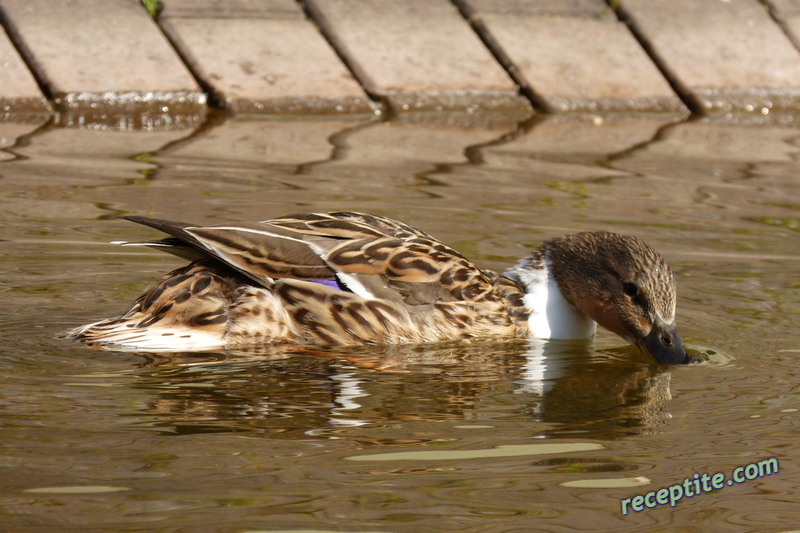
column 683, row 92
column 781, row 23
column 381, row 104
column 27, row 56
column 503, row 59
column 213, row 99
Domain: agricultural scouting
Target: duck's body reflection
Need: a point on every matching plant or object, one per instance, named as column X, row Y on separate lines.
column 558, row 388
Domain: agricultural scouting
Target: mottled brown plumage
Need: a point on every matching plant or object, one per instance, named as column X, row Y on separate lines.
column 352, row 279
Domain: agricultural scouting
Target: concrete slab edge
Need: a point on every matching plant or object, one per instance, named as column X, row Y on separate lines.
column 497, row 51
column 567, row 104
column 134, row 110
column 302, row 106
column 288, row 105
column 24, row 105
column 471, row 101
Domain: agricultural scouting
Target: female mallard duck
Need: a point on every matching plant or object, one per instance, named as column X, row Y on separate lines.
column 352, row 278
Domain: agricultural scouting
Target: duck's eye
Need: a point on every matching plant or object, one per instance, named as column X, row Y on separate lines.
column 630, row 289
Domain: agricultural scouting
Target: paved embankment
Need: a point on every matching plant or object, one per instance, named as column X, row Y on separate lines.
column 96, row 58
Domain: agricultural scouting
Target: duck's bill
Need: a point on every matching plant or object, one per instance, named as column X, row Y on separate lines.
column 663, row 345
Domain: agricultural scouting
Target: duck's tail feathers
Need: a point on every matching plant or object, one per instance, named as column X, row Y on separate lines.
column 192, row 308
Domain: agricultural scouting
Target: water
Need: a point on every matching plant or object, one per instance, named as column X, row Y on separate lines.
column 505, row 436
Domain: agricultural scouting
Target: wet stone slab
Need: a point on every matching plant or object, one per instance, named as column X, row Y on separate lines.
column 724, row 57
column 237, row 9
column 785, row 11
column 257, row 57
column 105, row 61
column 573, row 56
column 417, row 55
column 132, row 111
column 20, row 93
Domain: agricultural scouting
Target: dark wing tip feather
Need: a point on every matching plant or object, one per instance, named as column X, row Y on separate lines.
column 177, row 231
column 167, row 226
column 170, row 227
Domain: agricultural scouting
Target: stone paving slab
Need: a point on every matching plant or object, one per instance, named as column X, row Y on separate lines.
column 263, row 60
column 101, row 53
column 573, row 56
column 274, row 9
column 20, row 93
column 787, row 14
column 725, row 57
column 538, row 8
column 417, row 55
column 106, row 63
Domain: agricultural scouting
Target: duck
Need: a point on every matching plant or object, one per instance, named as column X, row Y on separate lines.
column 348, row 278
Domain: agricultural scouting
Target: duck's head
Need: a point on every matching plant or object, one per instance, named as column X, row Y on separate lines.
column 624, row 285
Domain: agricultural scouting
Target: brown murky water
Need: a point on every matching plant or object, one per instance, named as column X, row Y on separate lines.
column 487, row 437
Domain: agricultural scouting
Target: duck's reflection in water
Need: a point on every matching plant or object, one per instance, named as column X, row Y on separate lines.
column 374, row 395
column 602, row 389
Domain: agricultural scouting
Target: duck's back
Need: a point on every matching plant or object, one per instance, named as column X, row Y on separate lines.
column 341, row 278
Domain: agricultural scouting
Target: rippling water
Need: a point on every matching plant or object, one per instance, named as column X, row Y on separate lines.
column 490, row 436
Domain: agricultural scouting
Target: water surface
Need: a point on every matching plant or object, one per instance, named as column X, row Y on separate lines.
column 494, row 436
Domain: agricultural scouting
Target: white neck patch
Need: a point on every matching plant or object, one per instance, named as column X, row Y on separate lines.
column 552, row 317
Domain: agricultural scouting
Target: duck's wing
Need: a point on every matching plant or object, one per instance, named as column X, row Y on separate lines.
column 257, row 250
column 372, row 256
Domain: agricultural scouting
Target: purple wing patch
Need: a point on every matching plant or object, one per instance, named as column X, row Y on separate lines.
column 332, row 283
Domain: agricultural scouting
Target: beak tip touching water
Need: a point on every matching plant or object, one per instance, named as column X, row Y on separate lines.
column 663, row 345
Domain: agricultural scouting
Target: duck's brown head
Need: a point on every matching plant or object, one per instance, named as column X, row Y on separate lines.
column 624, row 285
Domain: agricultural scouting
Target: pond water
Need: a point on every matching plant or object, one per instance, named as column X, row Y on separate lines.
column 504, row 436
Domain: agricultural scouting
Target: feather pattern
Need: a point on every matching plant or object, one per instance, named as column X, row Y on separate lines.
column 350, row 278
column 399, row 285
